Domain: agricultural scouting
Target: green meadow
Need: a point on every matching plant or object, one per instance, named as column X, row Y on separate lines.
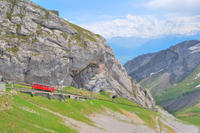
column 23, row 113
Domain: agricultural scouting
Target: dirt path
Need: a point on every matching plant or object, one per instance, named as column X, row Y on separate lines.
column 198, row 105
column 177, row 125
column 108, row 122
column 77, row 125
column 133, row 116
column 114, row 122
column 158, row 128
column 125, row 122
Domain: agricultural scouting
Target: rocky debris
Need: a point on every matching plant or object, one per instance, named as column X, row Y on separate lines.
column 175, row 124
column 113, row 122
column 39, row 46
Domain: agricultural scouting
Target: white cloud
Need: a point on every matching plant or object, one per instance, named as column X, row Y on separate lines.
column 146, row 26
column 175, row 5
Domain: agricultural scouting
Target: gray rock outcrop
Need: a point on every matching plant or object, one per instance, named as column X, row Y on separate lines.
column 36, row 45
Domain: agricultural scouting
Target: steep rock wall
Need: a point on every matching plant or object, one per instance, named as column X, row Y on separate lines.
column 36, row 45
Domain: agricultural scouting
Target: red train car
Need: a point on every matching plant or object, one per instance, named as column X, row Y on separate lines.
column 43, row 87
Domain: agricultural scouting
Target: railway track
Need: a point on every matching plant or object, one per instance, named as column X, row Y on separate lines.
column 61, row 95
column 64, row 95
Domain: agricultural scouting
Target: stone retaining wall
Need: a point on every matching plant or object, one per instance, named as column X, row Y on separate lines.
column 2, row 86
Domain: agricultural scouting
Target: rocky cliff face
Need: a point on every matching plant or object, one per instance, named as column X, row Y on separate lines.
column 36, row 45
column 174, row 64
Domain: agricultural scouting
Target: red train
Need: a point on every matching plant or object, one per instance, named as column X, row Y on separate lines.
column 43, row 87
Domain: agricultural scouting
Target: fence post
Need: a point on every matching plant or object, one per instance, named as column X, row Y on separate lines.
column 12, row 85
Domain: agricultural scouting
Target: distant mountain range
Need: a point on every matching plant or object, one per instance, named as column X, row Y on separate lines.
column 172, row 75
column 127, row 48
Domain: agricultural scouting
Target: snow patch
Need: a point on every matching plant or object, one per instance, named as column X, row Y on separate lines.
column 195, row 49
column 197, row 86
column 156, row 72
column 197, row 76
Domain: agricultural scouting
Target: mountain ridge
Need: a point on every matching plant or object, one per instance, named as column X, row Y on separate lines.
column 161, row 70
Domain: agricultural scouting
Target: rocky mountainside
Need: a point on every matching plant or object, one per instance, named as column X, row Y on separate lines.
column 161, row 70
column 39, row 46
column 177, row 62
column 182, row 95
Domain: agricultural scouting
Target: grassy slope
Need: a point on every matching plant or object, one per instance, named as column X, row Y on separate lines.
column 185, row 86
column 103, row 95
column 191, row 114
column 152, row 83
column 22, row 116
column 22, row 113
column 25, row 113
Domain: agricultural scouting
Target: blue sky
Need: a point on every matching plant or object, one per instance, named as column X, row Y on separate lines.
column 133, row 27
column 90, row 11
